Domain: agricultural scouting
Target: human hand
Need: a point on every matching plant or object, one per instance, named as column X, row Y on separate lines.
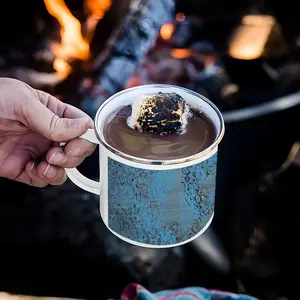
column 32, row 123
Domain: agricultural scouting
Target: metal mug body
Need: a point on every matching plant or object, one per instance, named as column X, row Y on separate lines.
column 154, row 203
column 157, row 208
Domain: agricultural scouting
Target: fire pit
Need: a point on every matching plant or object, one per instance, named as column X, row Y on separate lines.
column 59, row 40
column 93, row 46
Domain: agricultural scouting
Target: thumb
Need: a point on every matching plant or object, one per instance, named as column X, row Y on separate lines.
column 55, row 128
column 65, row 129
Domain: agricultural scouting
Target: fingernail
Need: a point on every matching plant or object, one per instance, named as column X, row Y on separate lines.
column 76, row 152
column 77, row 123
column 32, row 166
column 57, row 158
column 49, row 172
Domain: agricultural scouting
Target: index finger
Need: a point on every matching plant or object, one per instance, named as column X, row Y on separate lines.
column 72, row 112
column 60, row 108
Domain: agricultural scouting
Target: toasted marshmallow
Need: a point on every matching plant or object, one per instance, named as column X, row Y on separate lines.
column 162, row 113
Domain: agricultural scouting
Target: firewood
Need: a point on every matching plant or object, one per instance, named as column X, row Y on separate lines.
column 131, row 42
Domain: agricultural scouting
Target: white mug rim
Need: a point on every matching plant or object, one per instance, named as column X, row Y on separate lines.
column 144, row 161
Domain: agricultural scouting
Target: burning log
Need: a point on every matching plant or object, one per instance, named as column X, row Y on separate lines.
column 60, row 65
column 127, row 48
column 52, row 60
column 135, row 38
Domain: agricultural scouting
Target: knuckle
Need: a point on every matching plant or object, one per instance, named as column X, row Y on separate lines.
column 54, row 128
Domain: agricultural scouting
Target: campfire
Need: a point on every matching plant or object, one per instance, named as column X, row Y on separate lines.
column 255, row 45
column 84, row 51
column 74, row 43
column 155, row 42
column 90, row 50
column 63, row 41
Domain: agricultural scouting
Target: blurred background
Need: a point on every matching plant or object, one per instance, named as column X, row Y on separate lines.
column 245, row 57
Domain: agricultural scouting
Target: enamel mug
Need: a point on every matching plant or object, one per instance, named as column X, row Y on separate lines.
column 153, row 203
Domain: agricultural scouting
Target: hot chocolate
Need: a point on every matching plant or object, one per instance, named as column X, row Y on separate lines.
column 198, row 135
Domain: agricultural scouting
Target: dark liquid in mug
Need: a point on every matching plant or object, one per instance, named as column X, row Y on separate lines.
column 200, row 133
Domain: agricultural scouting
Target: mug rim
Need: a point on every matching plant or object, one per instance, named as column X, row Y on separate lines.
column 147, row 161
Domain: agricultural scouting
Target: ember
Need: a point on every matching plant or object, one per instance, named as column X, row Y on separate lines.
column 73, row 44
column 167, row 31
column 180, row 53
column 156, row 43
column 251, row 36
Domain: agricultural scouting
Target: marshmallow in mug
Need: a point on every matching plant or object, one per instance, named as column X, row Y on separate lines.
column 161, row 112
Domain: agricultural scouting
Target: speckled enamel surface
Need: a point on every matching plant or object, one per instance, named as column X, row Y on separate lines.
column 160, row 207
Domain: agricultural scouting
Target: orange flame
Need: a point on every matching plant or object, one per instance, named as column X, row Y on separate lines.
column 96, row 10
column 180, row 53
column 249, row 39
column 180, row 17
column 73, row 45
column 62, row 67
column 167, row 31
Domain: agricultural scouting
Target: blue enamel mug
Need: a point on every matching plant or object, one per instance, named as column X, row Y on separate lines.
column 154, row 203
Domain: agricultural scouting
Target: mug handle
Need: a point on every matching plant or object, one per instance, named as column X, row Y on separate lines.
column 76, row 177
